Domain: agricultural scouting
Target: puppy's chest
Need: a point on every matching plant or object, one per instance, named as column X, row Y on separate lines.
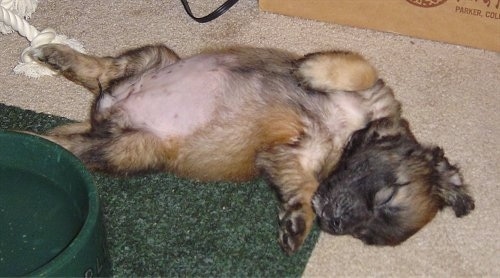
column 345, row 113
column 172, row 101
column 341, row 115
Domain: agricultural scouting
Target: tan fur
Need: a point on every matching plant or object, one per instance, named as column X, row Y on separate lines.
column 346, row 71
column 134, row 148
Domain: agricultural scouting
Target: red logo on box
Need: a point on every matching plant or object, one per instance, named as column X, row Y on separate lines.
column 426, row 3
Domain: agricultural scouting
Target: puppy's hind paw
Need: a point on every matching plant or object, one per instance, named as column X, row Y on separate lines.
column 57, row 57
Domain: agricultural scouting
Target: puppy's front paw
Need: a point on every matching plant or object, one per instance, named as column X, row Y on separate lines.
column 57, row 57
column 295, row 224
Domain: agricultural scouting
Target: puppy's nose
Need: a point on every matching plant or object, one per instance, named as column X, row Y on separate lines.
column 336, row 224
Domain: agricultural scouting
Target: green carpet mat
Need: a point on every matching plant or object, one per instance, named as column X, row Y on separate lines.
column 160, row 225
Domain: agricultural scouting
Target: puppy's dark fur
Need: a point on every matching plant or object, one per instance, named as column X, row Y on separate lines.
column 237, row 113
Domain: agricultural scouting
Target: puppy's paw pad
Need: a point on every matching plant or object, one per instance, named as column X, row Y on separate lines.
column 301, row 81
column 55, row 56
column 295, row 226
column 293, row 230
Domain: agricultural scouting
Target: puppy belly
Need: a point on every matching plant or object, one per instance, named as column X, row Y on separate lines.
column 173, row 101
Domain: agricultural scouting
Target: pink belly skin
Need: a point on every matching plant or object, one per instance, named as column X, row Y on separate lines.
column 173, row 101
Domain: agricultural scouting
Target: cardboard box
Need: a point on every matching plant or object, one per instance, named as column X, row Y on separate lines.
column 474, row 23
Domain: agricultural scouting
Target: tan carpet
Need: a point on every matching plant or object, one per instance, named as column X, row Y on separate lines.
column 451, row 95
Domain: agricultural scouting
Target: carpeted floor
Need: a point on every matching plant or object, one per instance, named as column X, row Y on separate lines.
column 450, row 95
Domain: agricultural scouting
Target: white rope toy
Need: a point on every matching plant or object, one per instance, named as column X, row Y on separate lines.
column 12, row 14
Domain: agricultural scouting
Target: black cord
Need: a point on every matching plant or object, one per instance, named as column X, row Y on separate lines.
column 213, row 15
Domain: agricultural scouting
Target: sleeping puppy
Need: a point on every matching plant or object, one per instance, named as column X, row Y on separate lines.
column 230, row 114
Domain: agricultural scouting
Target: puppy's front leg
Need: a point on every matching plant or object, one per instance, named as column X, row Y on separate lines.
column 296, row 187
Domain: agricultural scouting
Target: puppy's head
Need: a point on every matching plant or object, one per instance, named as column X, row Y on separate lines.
column 387, row 186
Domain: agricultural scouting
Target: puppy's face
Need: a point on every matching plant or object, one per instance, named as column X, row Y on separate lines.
column 387, row 186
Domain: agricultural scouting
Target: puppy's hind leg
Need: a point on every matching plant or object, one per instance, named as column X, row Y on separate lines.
column 74, row 137
column 122, row 152
column 88, row 70
column 71, row 129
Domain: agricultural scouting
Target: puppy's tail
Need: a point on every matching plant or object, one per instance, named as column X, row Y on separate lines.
column 335, row 70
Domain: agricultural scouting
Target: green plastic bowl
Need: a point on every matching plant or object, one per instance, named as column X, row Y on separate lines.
column 50, row 218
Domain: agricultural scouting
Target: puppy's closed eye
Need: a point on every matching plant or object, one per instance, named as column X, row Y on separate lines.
column 384, row 196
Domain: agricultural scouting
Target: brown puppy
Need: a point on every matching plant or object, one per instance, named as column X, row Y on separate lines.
column 228, row 114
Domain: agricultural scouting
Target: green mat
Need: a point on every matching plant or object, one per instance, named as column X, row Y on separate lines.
column 160, row 225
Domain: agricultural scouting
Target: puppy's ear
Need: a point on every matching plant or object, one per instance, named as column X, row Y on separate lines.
column 449, row 185
column 380, row 131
